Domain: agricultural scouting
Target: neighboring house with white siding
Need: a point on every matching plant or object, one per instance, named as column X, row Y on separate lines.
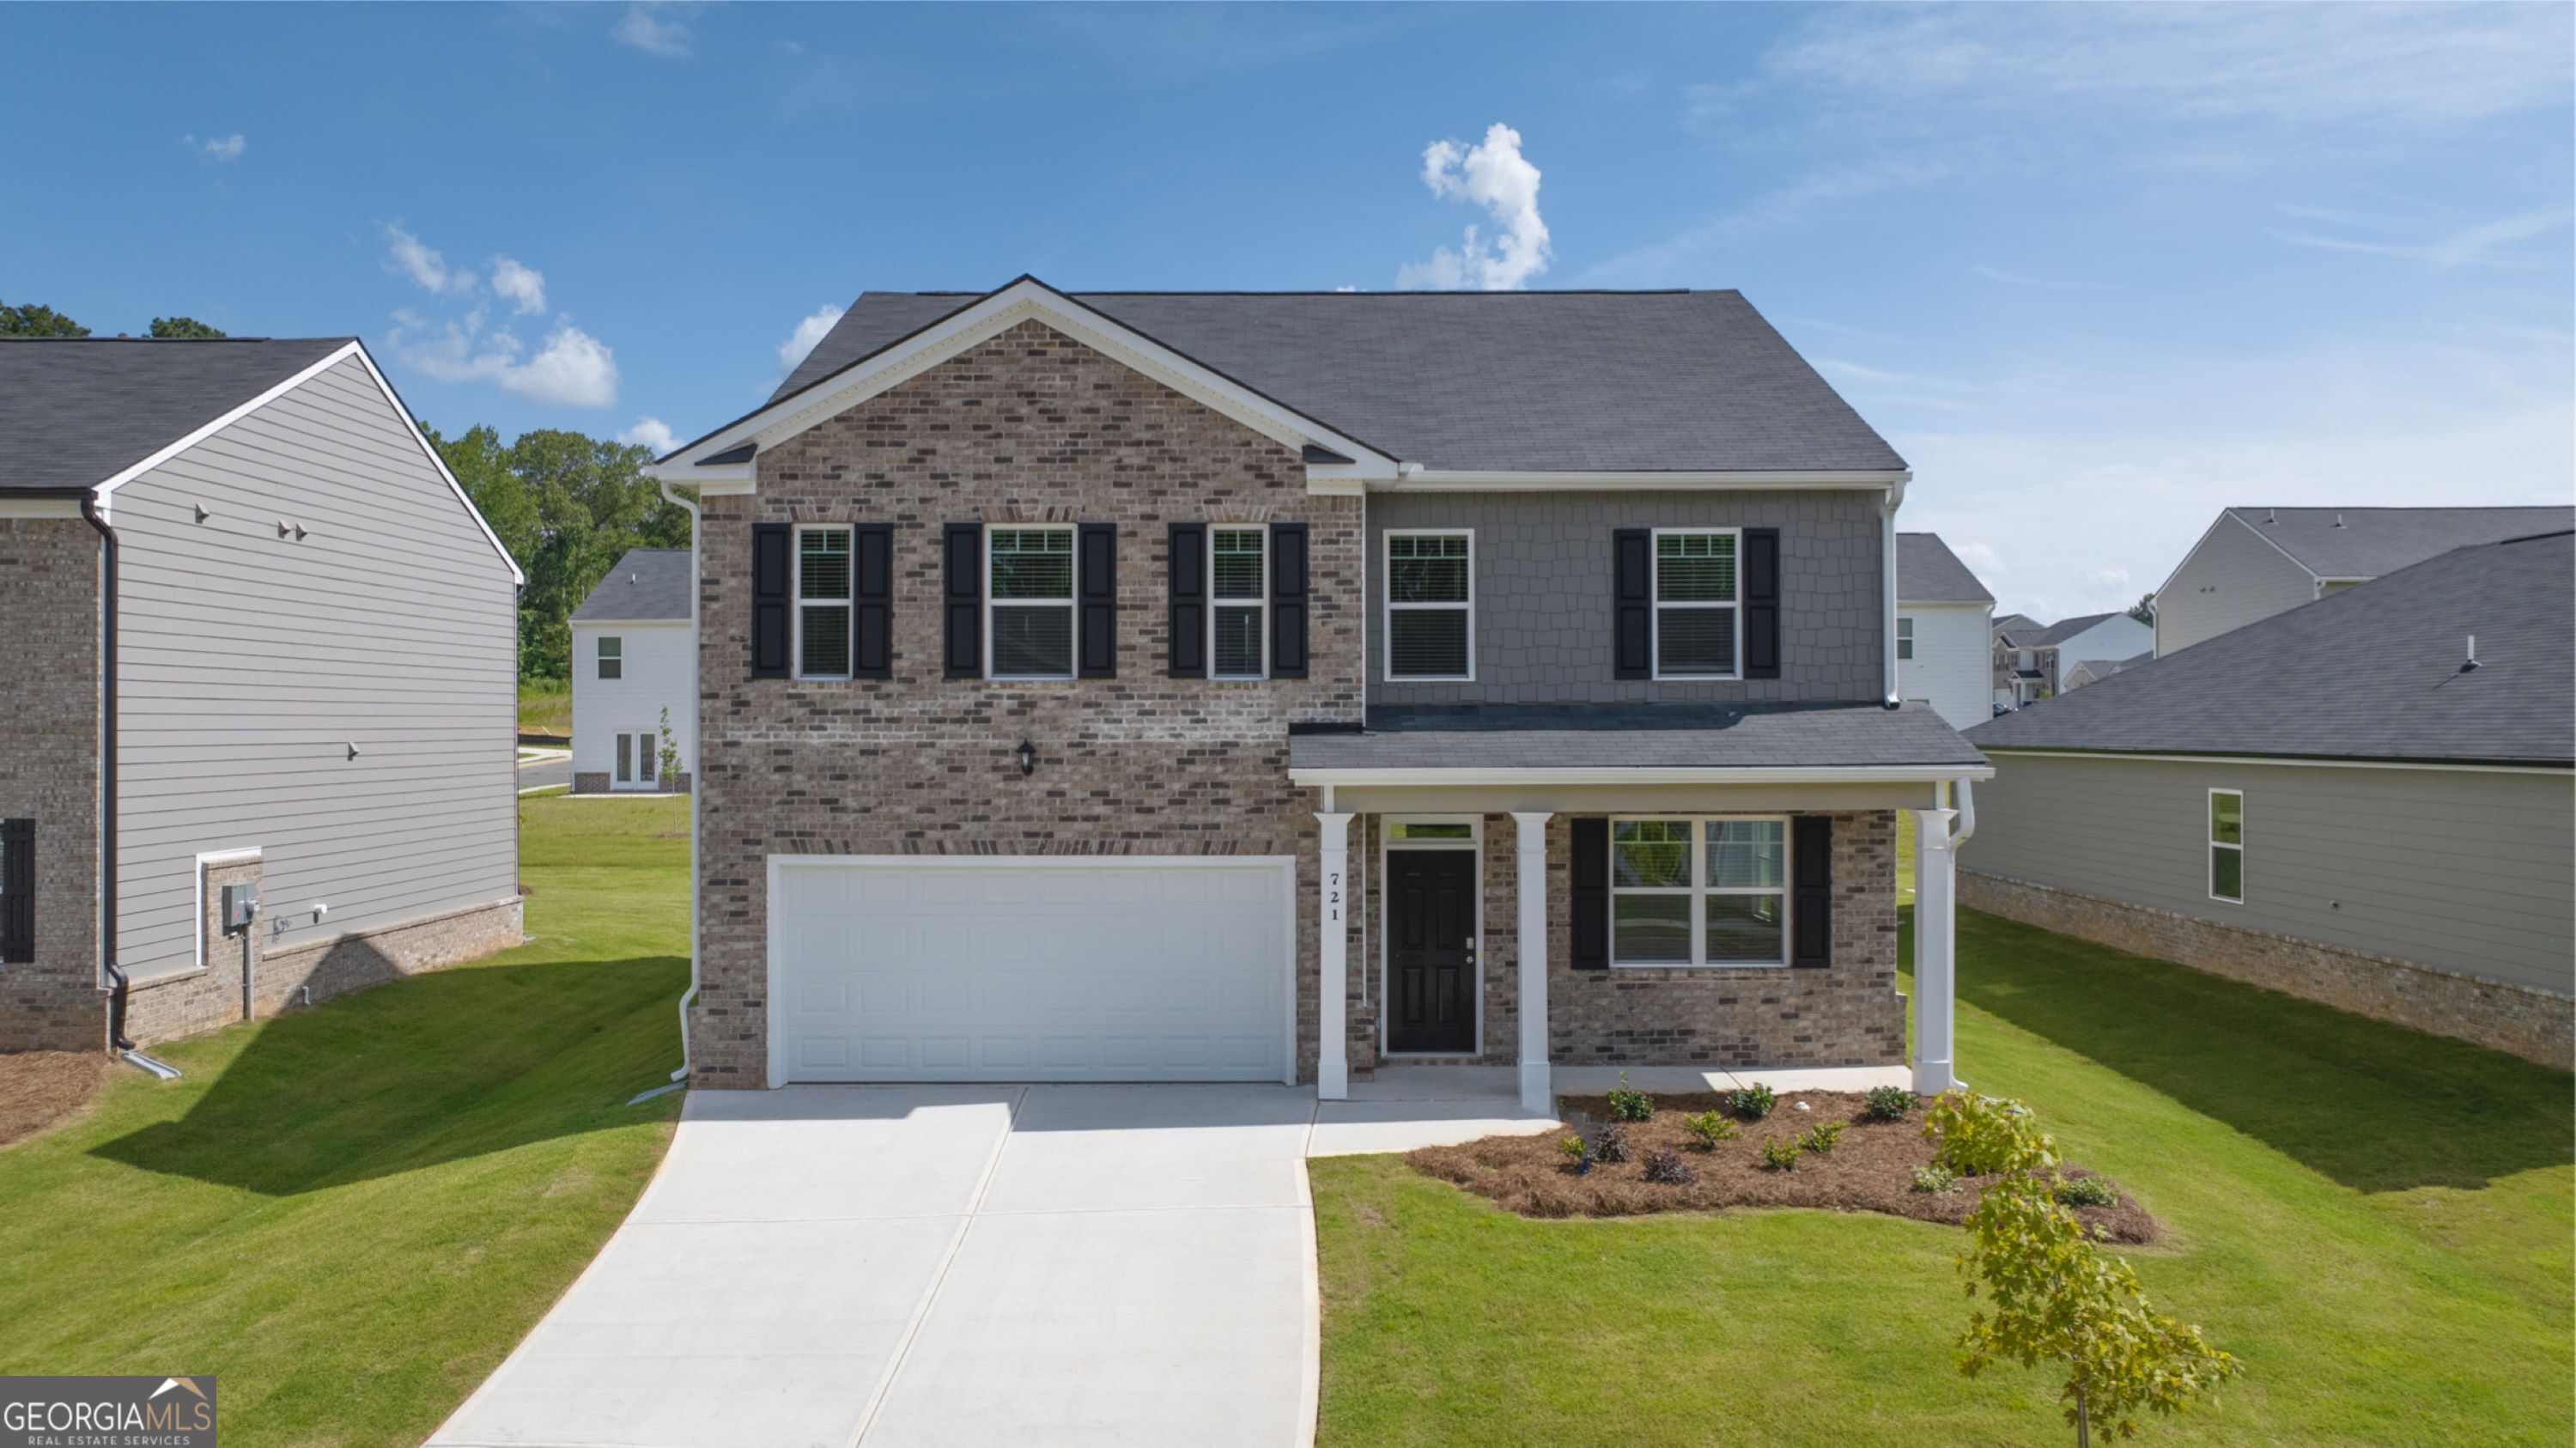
column 2254, row 562
column 634, row 654
column 2388, row 824
column 263, row 648
column 2030, row 660
column 1944, row 621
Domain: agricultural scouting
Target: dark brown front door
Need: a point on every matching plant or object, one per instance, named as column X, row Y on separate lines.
column 1431, row 950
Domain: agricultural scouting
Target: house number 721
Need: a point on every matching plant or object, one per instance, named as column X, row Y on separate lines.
column 1333, row 896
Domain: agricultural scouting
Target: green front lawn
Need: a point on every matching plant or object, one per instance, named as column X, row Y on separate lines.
column 2376, row 1221
column 350, row 1214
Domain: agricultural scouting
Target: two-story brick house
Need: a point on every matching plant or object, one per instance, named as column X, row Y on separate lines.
column 1152, row 686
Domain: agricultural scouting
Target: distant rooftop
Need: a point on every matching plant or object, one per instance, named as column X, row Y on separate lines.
column 648, row 585
column 2367, row 542
column 1928, row 572
column 76, row 411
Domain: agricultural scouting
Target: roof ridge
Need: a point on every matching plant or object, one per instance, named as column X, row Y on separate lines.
column 1336, row 292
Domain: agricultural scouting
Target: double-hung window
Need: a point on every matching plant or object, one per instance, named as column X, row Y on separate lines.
column 2227, row 845
column 823, row 603
column 1028, row 602
column 1699, row 891
column 1239, row 606
column 1697, row 622
column 1905, row 638
column 1430, row 606
column 612, row 658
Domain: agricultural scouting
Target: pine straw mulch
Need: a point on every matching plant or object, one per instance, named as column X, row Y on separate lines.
column 1870, row 1170
column 40, row 1089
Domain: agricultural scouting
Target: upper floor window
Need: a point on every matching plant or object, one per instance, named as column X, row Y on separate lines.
column 612, row 658
column 1696, row 619
column 1905, row 638
column 1240, row 603
column 2227, row 845
column 823, row 603
column 1028, row 592
column 1430, row 606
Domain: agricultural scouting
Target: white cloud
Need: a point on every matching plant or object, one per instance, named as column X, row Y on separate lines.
column 218, row 148
column 808, row 335
column 572, row 369
column 650, row 432
column 2470, row 246
column 523, row 286
column 1495, row 175
column 642, row 28
column 407, row 256
column 1981, row 559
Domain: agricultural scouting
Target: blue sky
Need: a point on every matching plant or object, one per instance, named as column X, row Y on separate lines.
column 2095, row 271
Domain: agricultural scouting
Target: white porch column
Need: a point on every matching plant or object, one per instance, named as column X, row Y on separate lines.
column 1332, row 981
column 1935, row 939
column 1530, row 863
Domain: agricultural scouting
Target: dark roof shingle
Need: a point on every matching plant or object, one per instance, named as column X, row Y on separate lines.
column 1638, row 736
column 1928, row 572
column 2367, row 542
column 647, row 584
column 76, row 411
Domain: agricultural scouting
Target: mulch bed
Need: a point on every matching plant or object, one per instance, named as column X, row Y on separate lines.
column 1871, row 1169
column 39, row 1089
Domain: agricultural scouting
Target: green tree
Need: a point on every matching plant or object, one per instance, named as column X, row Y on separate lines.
column 2144, row 610
column 34, row 319
column 182, row 329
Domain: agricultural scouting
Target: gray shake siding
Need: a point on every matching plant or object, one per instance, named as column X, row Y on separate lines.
column 2460, row 870
column 1544, row 581
column 252, row 662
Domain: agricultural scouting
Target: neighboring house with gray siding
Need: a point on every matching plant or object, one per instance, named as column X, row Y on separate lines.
column 279, row 655
column 1268, row 686
column 2388, row 825
column 634, row 660
column 1944, row 631
column 2252, row 563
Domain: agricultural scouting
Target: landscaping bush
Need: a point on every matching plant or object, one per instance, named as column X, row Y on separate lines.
column 1752, row 1102
column 2088, row 1191
column 1821, row 1137
column 1628, row 1105
column 1611, row 1144
column 1574, row 1148
column 1710, row 1128
column 1889, row 1103
column 1666, row 1168
column 1984, row 1135
column 1779, row 1153
column 1932, row 1180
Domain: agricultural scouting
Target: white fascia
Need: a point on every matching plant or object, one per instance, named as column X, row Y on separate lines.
column 1618, row 774
column 1410, row 479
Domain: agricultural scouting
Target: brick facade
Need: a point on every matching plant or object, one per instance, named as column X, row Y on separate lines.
column 50, row 576
column 2536, row 1025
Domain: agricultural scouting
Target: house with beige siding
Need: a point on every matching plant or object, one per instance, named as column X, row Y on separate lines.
column 2388, row 825
column 1271, row 686
column 261, row 689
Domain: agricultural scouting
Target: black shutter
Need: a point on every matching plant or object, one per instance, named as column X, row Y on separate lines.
column 1761, row 603
column 1287, row 600
column 1591, row 893
column 17, row 891
column 771, row 573
column 962, row 565
column 1185, row 563
column 1811, row 889
column 872, row 601
column 1097, row 602
column 1635, row 550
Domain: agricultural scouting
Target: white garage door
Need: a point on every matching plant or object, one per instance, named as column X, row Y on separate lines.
column 1029, row 969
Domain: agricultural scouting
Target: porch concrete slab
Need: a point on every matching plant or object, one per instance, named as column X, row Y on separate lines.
column 1102, row 1148
column 1175, row 1327
column 816, row 1153
column 1361, row 1128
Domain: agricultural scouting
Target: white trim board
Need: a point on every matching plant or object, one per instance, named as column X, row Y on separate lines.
column 197, row 924
column 2289, row 761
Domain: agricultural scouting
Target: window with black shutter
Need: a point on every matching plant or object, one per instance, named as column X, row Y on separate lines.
column 1761, row 603
column 872, row 601
column 1098, row 581
column 1185, row 571
column 1633, row 592
column 772, row 577
column 1591, row 845
column 1811, row 849
column 962, row 599
column 17, row 891
column 1287, row 600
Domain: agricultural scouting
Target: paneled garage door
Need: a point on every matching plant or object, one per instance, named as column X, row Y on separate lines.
column 1028, row 968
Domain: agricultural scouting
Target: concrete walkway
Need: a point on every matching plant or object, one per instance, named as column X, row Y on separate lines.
column 933, row 1265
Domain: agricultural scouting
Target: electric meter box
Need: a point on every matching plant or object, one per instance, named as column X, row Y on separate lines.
column 240, row 903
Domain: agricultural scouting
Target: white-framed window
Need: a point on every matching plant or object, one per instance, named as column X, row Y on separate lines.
column 638, row 755
column 1698, row 627
column 2227, row 845
column 822, row 603
column 1239, row 602
column 1904, row 637
column 1431, row 606
column 1028, row 601
column 612, row 657
column 1699, row 891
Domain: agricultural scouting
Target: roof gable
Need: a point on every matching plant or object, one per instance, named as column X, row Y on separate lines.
column 2350, row 543
column 648, row 585
column 76, row 412
column 1928, row 572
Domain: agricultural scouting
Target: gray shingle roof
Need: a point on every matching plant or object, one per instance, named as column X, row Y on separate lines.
column 76, row 411
column 2058, row 632
column 2373, row 672
column 1639, row 736
column 1505, row 381
column 1928, row 572
column 647, row 584
column 2373, row 541
column 2017, row 622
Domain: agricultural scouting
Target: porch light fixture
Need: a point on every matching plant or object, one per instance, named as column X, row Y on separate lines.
column 1028, row 758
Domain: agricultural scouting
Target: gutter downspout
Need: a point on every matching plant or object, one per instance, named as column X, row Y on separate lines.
column 697, row 780
column 1887, row 550
column 107, row 779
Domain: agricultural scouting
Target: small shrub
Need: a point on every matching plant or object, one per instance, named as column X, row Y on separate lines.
column 1611, row 1144
column 1932, row 1180
column 1573, row 1148
column 1752, row 1102
column 1821, row 1137
column 1666, row 1168
column 1889, row 1103
column 1711, row 1128
column 2088, row 1191
column 1986, row 1135
column 1779, row 1153
column 1628, row 1105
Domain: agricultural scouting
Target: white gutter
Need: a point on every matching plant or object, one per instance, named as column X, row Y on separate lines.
column 1967, row 813
column 697, row 778
column 1887, row 591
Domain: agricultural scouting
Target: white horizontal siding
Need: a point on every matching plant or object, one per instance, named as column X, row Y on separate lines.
column 1953, row 663
column 655, row 677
